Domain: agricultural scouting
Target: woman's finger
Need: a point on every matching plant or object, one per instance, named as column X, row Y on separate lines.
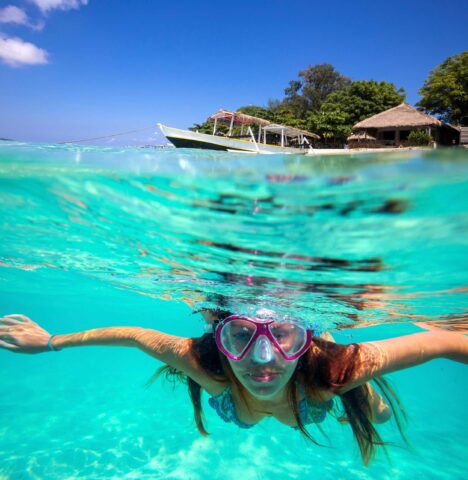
column 20, row 316
column 6, row 328
column 10, row 321
column 7, row 336
column 8, row 346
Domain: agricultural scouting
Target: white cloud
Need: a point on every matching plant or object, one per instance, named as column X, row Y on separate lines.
column 16, row 52
column 12, row 14
column 47, row 5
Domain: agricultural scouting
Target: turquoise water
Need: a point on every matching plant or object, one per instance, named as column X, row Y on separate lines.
column 96, row 236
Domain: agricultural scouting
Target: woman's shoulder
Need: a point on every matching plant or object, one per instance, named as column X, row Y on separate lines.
column 215, row 389
column 327, row 336
column 316, row 396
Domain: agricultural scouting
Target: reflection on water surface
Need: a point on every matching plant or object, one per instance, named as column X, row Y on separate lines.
column 340, row 241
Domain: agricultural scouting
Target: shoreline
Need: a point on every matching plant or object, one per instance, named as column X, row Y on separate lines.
column 351, row 151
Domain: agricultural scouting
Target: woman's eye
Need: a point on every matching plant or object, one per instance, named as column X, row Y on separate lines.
column 241, row 335
column 282, row 334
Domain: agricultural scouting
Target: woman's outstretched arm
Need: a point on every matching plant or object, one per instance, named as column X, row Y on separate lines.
column 20, row 334
column 385, row 356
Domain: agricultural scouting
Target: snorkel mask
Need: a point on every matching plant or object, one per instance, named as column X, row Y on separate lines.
column 236, row 335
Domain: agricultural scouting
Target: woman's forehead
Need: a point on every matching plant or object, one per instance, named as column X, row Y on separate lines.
column 244, row 321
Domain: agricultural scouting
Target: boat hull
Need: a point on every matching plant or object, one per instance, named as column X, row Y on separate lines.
column 191, row 143
column 188, row 139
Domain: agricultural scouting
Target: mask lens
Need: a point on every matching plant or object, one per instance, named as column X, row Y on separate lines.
column 291, row 338
column 236, row 335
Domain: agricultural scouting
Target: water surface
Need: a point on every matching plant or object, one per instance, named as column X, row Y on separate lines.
column 98, row 236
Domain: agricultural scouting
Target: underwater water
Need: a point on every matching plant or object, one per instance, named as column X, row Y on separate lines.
column 365, row 246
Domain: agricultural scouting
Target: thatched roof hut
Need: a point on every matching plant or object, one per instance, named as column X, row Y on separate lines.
column 401, row 116
column 393, row 126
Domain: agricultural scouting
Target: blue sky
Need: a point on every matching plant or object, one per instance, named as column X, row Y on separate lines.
column 72, row 69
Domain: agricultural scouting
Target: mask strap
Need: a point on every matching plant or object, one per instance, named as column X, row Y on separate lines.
column 211, row 327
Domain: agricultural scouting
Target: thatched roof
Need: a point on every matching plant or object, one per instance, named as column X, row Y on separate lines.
column 361, row 136
column 289, row 131
column 239, row 118
column 401, row 116
column 244, row 119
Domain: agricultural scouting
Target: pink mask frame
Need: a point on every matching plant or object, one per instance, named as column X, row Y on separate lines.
column 262, row 328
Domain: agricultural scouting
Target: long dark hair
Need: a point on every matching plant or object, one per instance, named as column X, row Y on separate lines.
column 326, row 366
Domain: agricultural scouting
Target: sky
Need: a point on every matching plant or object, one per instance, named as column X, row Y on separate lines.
column 76, row 69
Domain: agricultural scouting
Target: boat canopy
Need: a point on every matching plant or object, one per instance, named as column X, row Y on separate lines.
column 265, row 126
column 288, row 131
column 238, row 118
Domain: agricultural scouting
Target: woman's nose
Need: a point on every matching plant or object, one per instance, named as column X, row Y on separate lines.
column 263, row 351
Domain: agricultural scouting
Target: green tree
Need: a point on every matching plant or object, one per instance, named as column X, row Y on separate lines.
column 281, row 113
column 205, row 127
column 360, row 100
column 257, row 111
column 445, row 92
column 318, row 82
column 221, row 127
column 308, row 93
column 331, row 123
column 294, row 101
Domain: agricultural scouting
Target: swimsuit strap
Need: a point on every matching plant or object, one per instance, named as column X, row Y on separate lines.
column 224, row 406
column 311, row 411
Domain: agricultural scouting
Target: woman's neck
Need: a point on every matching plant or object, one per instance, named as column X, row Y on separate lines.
column 269, row 403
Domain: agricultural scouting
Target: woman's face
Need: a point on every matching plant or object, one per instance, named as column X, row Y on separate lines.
column 265, row 381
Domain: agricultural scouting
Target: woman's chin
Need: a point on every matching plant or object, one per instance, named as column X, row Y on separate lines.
column 263, row 387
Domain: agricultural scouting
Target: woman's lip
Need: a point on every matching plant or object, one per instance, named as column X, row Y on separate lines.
column 263, row 377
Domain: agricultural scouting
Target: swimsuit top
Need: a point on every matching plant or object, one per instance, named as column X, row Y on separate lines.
column 309, row 412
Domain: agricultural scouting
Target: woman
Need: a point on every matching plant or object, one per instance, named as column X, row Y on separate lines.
column 257, row 367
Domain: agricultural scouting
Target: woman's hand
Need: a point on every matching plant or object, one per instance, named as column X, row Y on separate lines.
column 456, row 325
column 20, row 334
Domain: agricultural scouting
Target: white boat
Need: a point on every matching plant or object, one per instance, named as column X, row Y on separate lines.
column 267, row 139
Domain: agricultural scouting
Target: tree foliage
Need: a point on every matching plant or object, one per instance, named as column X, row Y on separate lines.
column 419, row 138
column 320, row 81
column 315, row 84
column 323, row 101
column 359, row 100
column 445, row 92
column 257, row 111
column 207, row 127
column 221, row 127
